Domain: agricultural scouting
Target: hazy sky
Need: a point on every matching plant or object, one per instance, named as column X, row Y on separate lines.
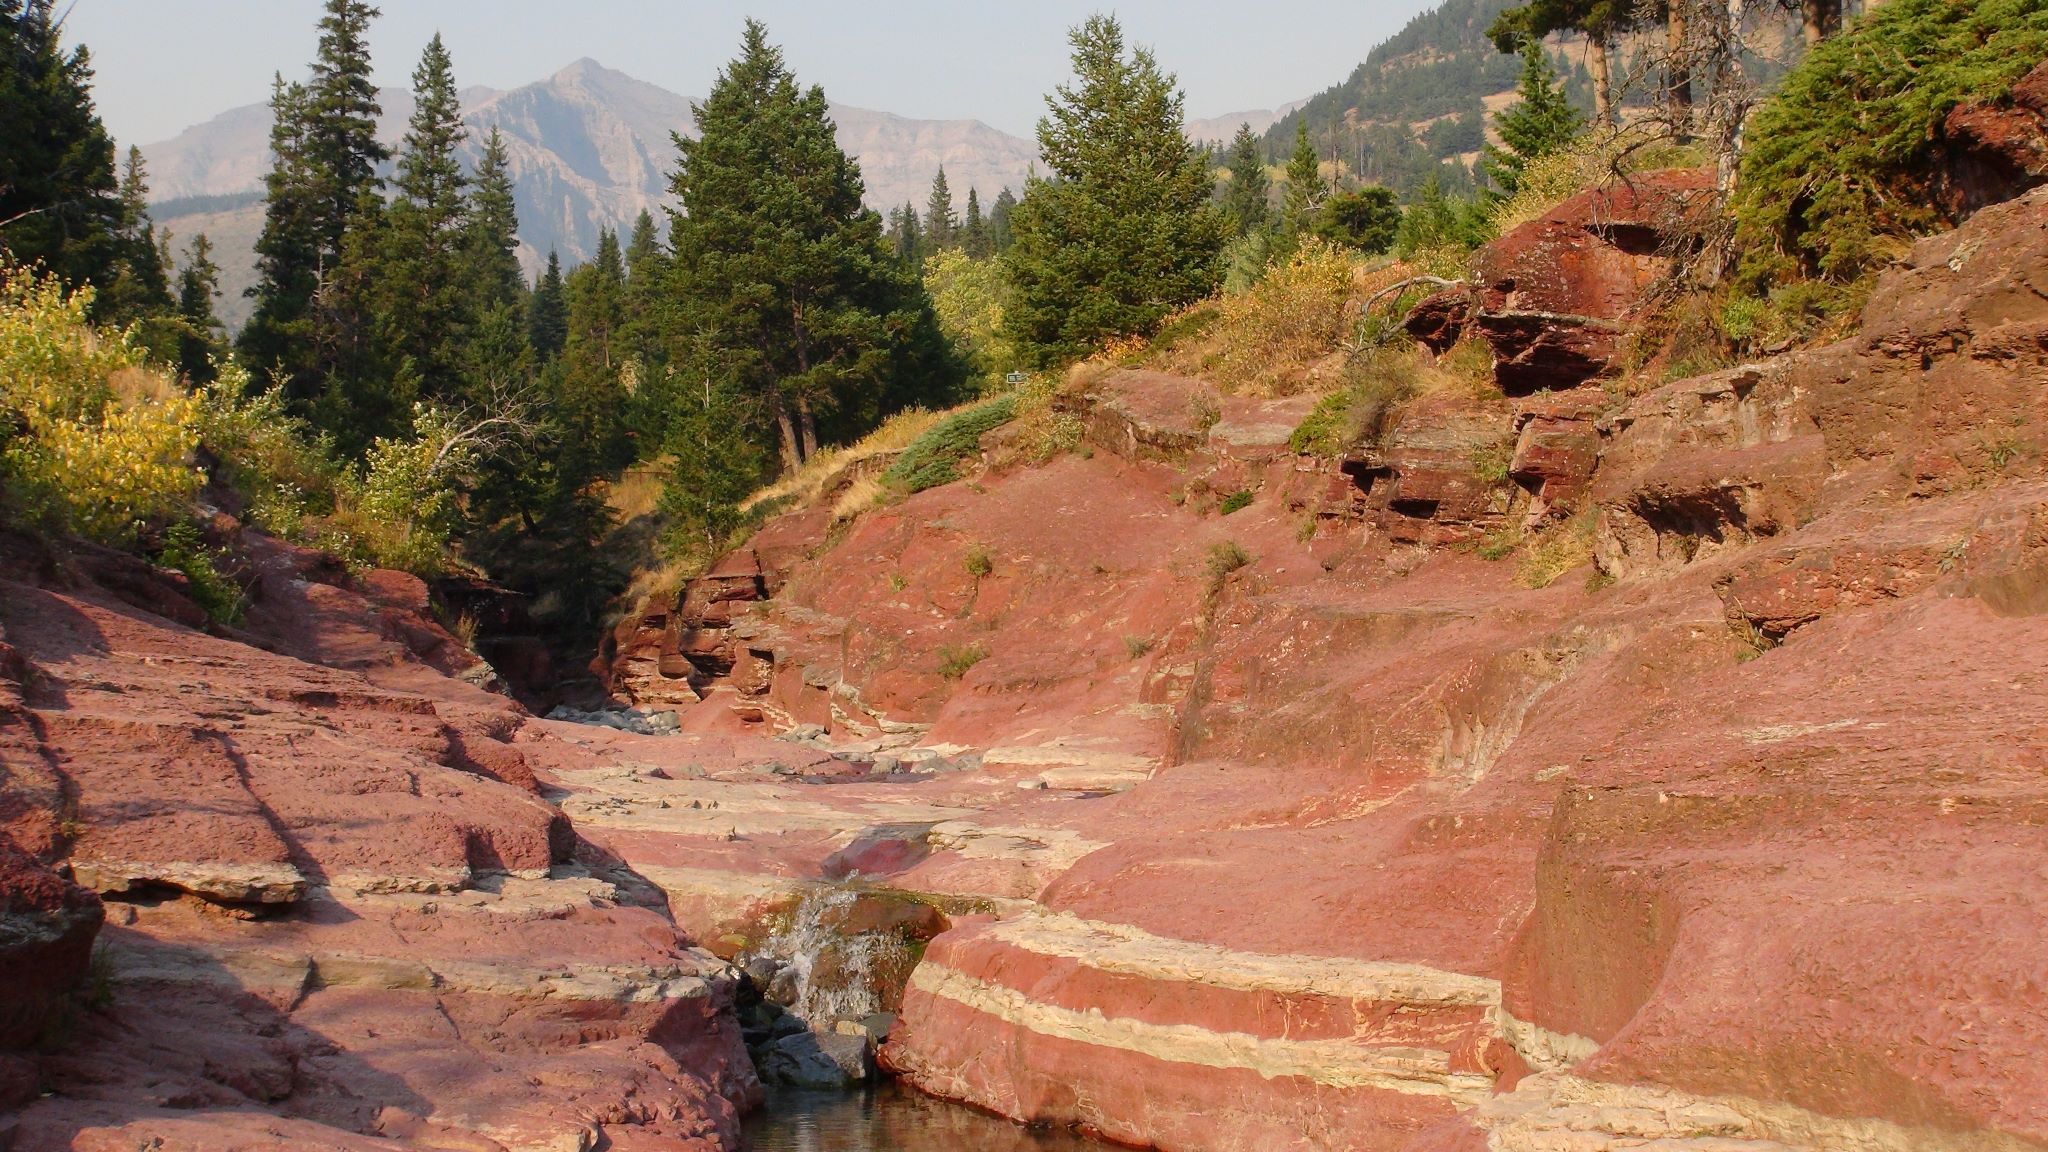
column 164, row 65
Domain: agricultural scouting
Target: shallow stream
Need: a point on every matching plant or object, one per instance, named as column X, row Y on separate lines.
column 891, row 1119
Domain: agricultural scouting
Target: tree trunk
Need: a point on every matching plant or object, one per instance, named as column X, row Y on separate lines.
column 1603, row 78
column 1823, row 18
column 1678, row 68
column 792, row 456
column 808, row 425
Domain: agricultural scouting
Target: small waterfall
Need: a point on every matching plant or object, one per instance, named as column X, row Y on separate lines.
column 836, row 974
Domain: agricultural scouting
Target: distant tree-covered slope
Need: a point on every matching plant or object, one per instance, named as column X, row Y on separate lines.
column 1416, row 106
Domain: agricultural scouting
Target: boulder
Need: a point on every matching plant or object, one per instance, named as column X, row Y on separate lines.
column 47, row 926
column 1558, row 295
column 818, row 1060
column 1997, row 149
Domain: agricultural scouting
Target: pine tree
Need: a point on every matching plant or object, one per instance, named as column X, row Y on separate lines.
column 496, row 356
column 589, row 402
column 717, row 462
column 136, row 291
column 59, row 203
column 1123, row 232
column 941, row 225
column 999, row 234
column 1601, row 21
column 1305, row 187
column 200, row 331
column 323, row 182
column 778, row 260
column 974, row 237
column 1540, row 122
column 906, row 236
column 1244, row 201
column 548, row 316
column 341, row 113
column 421, row 295
column 647, row 270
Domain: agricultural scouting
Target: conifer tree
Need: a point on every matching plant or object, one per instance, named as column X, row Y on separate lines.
column 906, row 236
column 1305, row 187
column 420, row 290
column 1245, row 199
column 589, row 399
column 491, row 242
column 779, row 263
column 999, row 234
column 59, row 203
column 497, row 356
column 136, row 290
column 1123, row 232
column 199, row 332
column 941, row 224
column 548, row 316
column 323, row 176
column 646, row 288
column 1540, row 122
column 974, row 237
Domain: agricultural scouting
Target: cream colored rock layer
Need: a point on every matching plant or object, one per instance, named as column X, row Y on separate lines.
column 1558, row 1112
column 1332, row 1063
column 1123, row 950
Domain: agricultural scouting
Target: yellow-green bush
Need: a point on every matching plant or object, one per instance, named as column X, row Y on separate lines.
column 967, row 295
column 1267, row 337
column 73, row 452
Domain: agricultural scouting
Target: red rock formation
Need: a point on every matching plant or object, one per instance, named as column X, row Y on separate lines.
column 1365, row 845
column 1557, row 295
column 342, row 914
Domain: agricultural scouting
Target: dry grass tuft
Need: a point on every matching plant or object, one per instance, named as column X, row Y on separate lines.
column 811, row 481
column 1557, row 550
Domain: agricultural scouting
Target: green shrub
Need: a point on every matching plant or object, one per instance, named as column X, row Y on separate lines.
column 934, row 458
column 978, row 562
column 955, row 661
column 1378, row 381
column 1237, row 501
column 1225, row 558
column 1841, row 165
column 283, row 471
column 183, row 551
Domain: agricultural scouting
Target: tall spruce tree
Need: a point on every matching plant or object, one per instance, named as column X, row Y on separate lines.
column 974, row 237
column 308, row 332
column 941, row 224
column 1244, row 201
column 497, row 356
column 548, row 315
column 641, row 332
column 1541, row 121
column 59, row 201
column 1123, row 232
column 136, row 291
column 783, row 270
column 420, row 292
column 199, row 330
column 999, row 214
column 1305, row 187
column 491, row 275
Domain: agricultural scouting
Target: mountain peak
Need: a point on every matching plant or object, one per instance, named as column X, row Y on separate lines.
column 581, row 71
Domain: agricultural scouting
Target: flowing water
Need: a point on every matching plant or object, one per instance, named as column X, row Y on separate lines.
column 892, row 1119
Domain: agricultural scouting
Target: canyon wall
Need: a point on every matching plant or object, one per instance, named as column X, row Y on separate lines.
column 1583, row 766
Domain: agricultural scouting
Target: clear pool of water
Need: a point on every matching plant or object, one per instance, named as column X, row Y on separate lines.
column 891, row 1119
